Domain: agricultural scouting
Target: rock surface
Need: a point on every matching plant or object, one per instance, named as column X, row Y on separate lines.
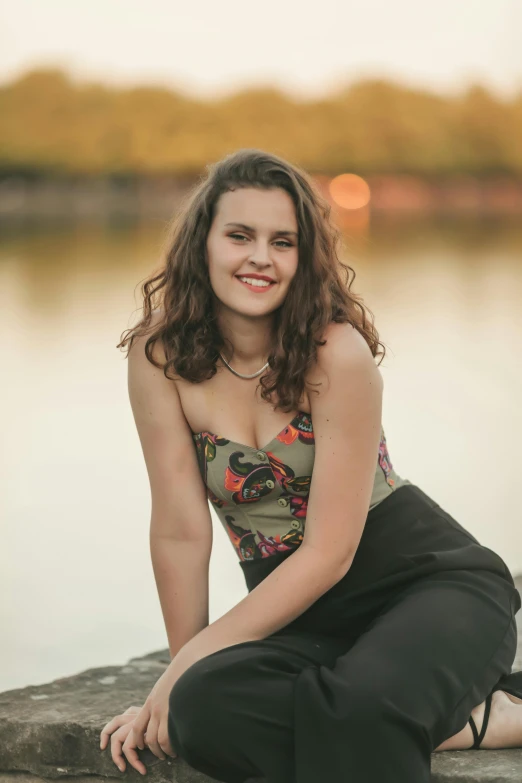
column 52, row 732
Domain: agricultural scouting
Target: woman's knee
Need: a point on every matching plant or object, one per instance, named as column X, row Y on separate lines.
column 211, row 702
column 189, row 701
column 201, row 700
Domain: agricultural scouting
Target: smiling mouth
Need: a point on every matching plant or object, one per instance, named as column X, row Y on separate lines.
column 256, row 287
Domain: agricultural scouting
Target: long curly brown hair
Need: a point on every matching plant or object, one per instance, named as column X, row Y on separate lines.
column 184, row 301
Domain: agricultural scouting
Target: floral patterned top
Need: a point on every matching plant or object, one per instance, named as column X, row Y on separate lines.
column 261, row 495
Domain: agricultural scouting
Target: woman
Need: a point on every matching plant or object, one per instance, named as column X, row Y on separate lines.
column 373, row 620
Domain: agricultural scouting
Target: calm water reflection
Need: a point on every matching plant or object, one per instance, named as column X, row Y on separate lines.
column 77, row 585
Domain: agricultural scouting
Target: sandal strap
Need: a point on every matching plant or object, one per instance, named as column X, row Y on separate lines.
column 473, row 725
column 476, row 736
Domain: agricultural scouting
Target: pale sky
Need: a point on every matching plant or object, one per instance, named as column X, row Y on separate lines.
column 209, row 48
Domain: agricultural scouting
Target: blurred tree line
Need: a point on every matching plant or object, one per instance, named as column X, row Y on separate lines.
column 52, row 125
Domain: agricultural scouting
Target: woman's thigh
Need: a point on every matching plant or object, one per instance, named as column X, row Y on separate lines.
column 231, row 714
column 432, row 654
column 409, row 682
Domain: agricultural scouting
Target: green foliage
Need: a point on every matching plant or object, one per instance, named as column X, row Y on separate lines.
column 51, row 124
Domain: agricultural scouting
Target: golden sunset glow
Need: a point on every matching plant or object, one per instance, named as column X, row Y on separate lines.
column 349, row 191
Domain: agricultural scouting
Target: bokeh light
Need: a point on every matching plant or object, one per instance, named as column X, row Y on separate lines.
column 349, row 191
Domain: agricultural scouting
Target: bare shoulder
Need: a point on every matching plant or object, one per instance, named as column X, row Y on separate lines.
column 343, row 337
column 345, row 351
column 154, row 397
column 138, row 345
column 179, row 503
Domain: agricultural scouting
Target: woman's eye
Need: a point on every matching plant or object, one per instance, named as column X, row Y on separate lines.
column 278, row 242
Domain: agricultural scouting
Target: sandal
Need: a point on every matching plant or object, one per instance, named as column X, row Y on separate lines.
column 510, row 683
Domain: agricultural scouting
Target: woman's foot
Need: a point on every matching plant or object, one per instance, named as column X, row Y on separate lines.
column 504, row 728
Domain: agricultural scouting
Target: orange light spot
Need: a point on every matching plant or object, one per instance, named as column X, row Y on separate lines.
column 349, row 191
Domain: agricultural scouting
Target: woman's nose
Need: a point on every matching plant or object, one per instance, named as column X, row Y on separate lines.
column 260, row 253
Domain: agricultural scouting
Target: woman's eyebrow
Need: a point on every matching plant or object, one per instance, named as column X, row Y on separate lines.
column 249, row 228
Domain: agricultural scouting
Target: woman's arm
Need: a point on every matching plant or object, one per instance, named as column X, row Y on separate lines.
column 347, row 427
column 181, row 573
column 181, row 524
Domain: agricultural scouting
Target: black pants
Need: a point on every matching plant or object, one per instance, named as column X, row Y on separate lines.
column 374, row 676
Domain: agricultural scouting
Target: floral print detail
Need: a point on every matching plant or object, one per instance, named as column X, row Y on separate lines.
column 245, row 545
column 269, row 546
column 261, row 495
column 216, row 502
column 205, row 444
column 286, row 476
column 242, row 540
column 246, row 480
column 298, row 506
column 249, row 482
column 300, row 427
column 384, row 460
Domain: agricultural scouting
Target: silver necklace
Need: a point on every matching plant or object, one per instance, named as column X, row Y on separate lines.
column 239, row 374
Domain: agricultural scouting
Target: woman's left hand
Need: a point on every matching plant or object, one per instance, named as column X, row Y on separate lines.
column 152, row 719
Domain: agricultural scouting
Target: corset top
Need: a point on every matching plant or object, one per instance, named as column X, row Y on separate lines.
column 261, row 495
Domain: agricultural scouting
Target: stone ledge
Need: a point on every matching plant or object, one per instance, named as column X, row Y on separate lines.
column 51, row 732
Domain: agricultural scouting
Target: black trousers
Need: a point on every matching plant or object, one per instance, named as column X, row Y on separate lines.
column 374, row 676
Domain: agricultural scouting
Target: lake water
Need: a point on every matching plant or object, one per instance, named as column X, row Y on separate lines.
column 77, row 586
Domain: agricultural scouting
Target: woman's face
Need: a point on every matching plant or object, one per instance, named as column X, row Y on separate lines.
column 254, row 232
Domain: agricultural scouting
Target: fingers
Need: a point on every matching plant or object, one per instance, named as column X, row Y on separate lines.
column 157, row 736
column 152, row 739
column 129, row 748
column 124, row 746
column 117, row 740
column 140, row 725
column 116, row 723
column 164, row 739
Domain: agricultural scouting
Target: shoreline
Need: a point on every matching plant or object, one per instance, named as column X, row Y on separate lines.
column 24, row 197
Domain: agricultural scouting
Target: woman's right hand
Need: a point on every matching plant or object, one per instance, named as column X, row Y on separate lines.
column 118, row 729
